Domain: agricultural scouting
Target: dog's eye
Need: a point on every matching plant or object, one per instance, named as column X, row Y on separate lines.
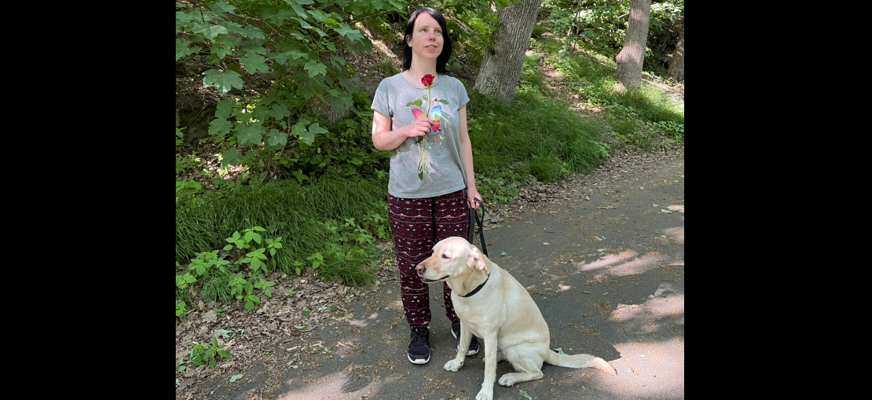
column 444, row 256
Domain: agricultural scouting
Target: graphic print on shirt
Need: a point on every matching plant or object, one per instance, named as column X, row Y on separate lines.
column 426, row 142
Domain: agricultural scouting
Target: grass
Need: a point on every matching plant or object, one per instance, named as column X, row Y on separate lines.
column 631, row 115
column 299, row 214
column 551, row 139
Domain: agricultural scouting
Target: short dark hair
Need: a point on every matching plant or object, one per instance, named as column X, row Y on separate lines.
column 442, row 60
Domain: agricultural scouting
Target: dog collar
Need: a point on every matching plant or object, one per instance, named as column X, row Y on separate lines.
column 474, row 291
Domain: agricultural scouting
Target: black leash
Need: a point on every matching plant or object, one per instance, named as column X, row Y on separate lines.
column 472, row 221
column 471, row 237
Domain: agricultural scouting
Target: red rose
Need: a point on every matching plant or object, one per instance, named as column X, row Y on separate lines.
column 427, row 80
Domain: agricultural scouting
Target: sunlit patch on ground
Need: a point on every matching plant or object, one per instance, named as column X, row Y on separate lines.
column 606, row 261
column 657, row 313
column 675, row 234
column 650, row 370
column 364, row 322
column 624, row 263
column 330, row 387
column 637, row 266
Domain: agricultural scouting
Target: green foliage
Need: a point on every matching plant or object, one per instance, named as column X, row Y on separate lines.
column 207, row 263
column 532, row 125
column 285, row 209
column 547, row 168
column 243, row 290
column 483, row 23
column 531, row 78
column 601, row 25
column 350, row 244
column 187, row 188
column 295, row 45
column 251, row 239
column 221, row 278
column 182, row 281
column 212, row 273
column 597, row 25
column 263, row 285
column 255, row 259
column 638, row 117
column 187, row 162
column 180, row 308
column 217, row 287
column 497, row 190
column 344, row 150
column 179, row 137
column 203, row 353
column 316, row 260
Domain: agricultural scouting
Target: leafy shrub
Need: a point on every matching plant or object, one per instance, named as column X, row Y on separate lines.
column 295, row 46
column 202, row 353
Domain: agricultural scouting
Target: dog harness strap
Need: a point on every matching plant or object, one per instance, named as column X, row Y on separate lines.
column 474, row 291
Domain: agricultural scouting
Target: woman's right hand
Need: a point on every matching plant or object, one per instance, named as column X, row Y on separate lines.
column 419, row 127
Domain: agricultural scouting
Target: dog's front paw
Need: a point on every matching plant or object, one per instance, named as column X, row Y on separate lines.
column 485, row 394
column 453, row 365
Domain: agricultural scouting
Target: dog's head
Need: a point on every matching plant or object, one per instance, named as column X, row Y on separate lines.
column 452, row 258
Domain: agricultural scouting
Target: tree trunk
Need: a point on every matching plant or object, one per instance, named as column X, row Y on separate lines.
column 629, row 72
column 676, row 66
column 504, row 56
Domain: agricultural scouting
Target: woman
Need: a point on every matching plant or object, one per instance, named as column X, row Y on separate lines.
column 420, row 116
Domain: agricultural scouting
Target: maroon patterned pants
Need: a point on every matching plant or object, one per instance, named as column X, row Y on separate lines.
column 417, row 225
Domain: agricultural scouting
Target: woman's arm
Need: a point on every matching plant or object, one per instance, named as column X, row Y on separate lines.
column 383, row 138
column 466, row 159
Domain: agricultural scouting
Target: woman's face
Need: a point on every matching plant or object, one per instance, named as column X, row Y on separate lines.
column 426, row 40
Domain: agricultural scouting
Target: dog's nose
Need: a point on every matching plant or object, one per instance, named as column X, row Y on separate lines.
column 421, row 269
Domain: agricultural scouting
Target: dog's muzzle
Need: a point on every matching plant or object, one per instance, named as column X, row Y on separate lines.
column 421, row 270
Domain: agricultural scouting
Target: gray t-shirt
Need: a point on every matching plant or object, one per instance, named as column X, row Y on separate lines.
column 443, row 170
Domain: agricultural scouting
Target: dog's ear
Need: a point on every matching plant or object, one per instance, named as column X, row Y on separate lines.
column 474, row 259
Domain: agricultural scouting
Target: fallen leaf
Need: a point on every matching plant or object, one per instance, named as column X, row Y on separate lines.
column 210, row 316
column 235, row 377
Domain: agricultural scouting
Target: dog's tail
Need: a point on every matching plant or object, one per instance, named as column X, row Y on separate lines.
column 580, row 361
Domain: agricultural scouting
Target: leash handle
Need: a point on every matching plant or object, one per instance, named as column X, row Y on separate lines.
column 472, row 221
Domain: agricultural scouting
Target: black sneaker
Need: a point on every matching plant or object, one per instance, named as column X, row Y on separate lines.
column 419, row 345
column 473, row 344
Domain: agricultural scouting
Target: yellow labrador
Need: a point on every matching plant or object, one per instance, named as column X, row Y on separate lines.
column 492, row 305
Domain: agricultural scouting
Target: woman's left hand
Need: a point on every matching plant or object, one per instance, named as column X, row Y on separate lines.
column 472, row 194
